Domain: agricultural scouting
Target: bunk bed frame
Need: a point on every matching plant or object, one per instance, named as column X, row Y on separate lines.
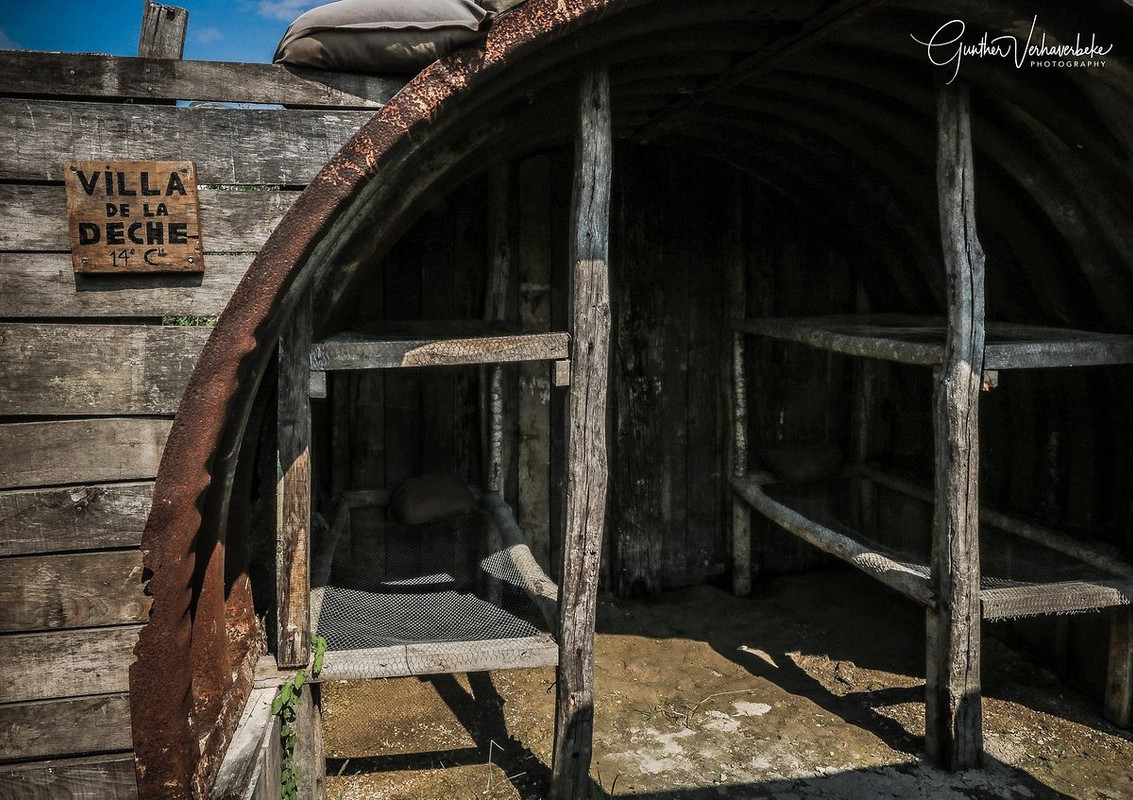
column 580, row 360
column 965, row 353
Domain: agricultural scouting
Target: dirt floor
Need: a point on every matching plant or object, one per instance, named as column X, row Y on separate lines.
column 808, row 689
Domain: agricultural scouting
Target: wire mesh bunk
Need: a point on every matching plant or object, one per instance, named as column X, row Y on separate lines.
column 459, row 593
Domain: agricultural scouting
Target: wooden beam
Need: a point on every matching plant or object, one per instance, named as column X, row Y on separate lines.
column 741, row 512
column 81, row 450
column 533, row 503
column 32, row 74
column 362, row 351
column 229, row 145
column 59, row 664
column 82, row 590
column 293, row 494
column 163, row 31
column 953, row 717
column 586, row 449
column 84, row 370
column 43, row 285
column 399, row 661
column 79, row 518
column 904, row 577
column 55, row 728
column 1119, row 676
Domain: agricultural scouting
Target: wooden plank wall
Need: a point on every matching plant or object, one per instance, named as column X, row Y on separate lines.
column 90, row 377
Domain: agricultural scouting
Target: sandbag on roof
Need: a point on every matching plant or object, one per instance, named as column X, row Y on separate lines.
column 384, row 36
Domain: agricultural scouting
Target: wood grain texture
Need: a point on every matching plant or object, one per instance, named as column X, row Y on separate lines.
column 244, row 762
column 80, row 518
column 43, row 285
column 59, row 664
column 34, row 74
column 953, row 716
column 55, row 728
column 163, row 30
column 293, row 494
column 97, row 778
column 96, row 369
column 231, row 221
column 586, row 453
column 533, row 257
column 83, row 590
column 229, row 146
column 80, row 450
column 1119, row 672
column 359, row 351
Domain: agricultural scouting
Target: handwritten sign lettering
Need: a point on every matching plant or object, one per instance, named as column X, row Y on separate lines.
column 133, row 216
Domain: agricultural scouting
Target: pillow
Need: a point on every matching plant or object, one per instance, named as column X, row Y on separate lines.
column 430, row 498
column 380, row 36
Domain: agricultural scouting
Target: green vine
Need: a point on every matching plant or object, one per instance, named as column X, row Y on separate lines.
column 284, row 707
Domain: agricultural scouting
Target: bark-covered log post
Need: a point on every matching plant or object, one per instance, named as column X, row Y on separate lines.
column 586, row 447
column 293, row 490
column 953, row 724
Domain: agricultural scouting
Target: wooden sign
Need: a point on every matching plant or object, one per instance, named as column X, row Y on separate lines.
column 133, row 216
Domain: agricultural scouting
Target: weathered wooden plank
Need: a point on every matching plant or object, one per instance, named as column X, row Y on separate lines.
column 73, row 727
column 34, row 74
column 67, row 663
column 1119, row 674
column 83, row 590
column 96, row 369
column 232, row 221
column 229, row 146
column 98, row 778
column 953, row 716
column 360, row 351
column 163, row 31
column 44, row 285
column 293, row 494
column 80, row 450
column 587, row 457
column 642, row 422
column 540, row 589
column 79, row 518
column 533, row 259
column 243, row 762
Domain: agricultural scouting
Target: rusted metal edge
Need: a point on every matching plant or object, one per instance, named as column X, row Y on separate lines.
column 203, row 445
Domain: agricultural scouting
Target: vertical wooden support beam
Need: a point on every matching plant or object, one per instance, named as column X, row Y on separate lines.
column 1119, row 681
column 495, row 309
column 741, row 512
column 954, row 735
column 293, row 490
column 862, row 442
column 586, row 447
column 163, row 31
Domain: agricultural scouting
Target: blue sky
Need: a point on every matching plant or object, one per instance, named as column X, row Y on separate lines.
column 219, row 30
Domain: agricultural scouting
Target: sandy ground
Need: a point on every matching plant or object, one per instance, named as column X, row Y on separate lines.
column 808, row 689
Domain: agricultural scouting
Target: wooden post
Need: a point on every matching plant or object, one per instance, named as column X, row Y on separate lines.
column 586, row 448
column 1119, row 681
column 953, row 724
column 293, row 490
column 163, row 31
column 862, row 442
column 741, row 511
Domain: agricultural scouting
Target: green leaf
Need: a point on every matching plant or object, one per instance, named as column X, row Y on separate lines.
column 299, row 678
column 276, row 705
column 285, row 693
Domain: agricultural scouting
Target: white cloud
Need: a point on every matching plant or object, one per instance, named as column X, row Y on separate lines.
column 208, row 35
column 7, row 43
column 285, row 10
